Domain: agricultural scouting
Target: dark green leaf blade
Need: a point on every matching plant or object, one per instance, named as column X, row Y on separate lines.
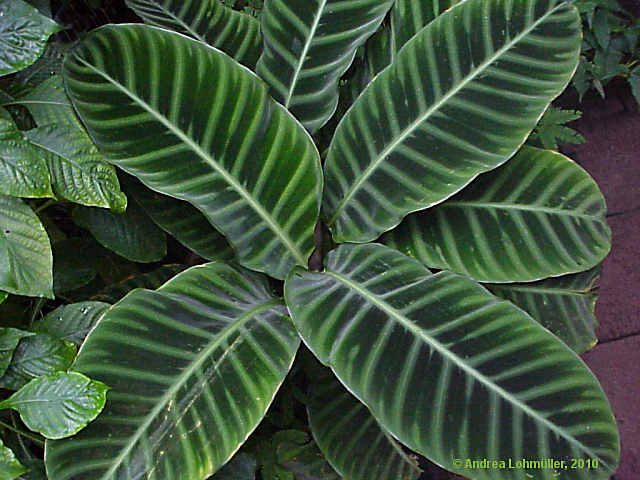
column 151, row 280
column 262, row 172
column 460, row 99
column 212, row 347
column 132, row 234
column 241, row 467
column 475, row 377
column 58, row 405
column 9, row 338
column 540, row 215
column 10, row 467
column 564, row 305
column 308, row 46
column 37, row 355
column 350, row 437
column 23, row 33
column 72, row 322
column 23, row 171
column 408, row 17
column 26, row 261
column 209, row 21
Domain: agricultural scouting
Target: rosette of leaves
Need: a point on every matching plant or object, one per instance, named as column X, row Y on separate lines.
column 430, row 201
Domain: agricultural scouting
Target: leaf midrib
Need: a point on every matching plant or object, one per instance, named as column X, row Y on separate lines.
column 434, row 108
column 521, row 207
column 183, row 377
column 459, row 362
column 288, row 242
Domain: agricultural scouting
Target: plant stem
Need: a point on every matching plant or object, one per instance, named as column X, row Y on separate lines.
column 37, row 307
column 33, row 438
column 46, row 204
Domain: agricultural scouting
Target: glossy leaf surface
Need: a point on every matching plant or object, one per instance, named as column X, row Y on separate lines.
column 539, row 215
column 235, row 33
column 259, row 182
column 350, row 437
column 151, row 280
column 37, row 355
column 181, row 220
column 72, row 322
column 475, row 377
column 78, row 172
column 459, row 100
column 408, row 17
column 132, row 234
column 10, row 467
column 308, row 46
column 9, row 338
column 23, row 171
column 58, row 405
column 192, row 369
column 564, row 305
column 23, row 33
column 26, row 261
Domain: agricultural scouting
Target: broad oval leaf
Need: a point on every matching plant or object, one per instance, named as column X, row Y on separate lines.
column 10, row 466
column 564, row 305
column 459, row 100
column 9, row 338
column 209, row 21
column 26, row 261
column 72, row 322
column 192, row 369
column 132, row 234
column 244, row 161
column 23, row 171
column 23, row 33
column 181, row 220
column 539, row 215
column 308, row 46
column 351, row 439
column 474, row 376
column 37, row 355
column 58, row 405
column 78, row 172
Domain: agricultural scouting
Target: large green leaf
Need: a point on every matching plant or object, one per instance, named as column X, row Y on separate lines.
column 350, row 437
column 132, row 234
column 72, row 322
column 564, row 305
column 150, row 280
column 10, row 467
column 58, row 405
column 26, row 261
column 23, row 170
column 539, row 215
column 37, row 355
column 308, row 45
column 259, row 182
column 181, row 220
column 473, row 376
column 192, row 368
column 23, row 34
column 78, row 172
column 209, row 21
column 9, row 338
column 408, row 17
column 459, row 100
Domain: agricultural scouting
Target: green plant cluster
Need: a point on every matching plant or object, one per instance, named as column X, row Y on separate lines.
column 296, row 240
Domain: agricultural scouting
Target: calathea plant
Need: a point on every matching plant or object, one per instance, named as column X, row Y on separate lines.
column 215, row 115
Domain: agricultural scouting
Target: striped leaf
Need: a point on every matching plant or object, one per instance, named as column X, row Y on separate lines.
column 23, row 171
column 259, row 183
column 78, row 172
column 351, row 439
column 308, row 46
column 408, row 17
column 539, row 215
column 26, row 261
column 459, row 100
column 192, row 369
column 181, row 220
column 473, row 376
column 564, row 305
column 209, row 21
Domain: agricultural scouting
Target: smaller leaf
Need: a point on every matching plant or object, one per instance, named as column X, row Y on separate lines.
column 58, row 405
column 3, row 296
column 151, row 280
column 601, row 27
column 10, row 467
column 634, row 83
column 131, row 234
column 241, row 467
column 23, row 171
column 74, row 264
column 9, row 339
column 72, row 322
column 37, row 355
column 23, row 33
